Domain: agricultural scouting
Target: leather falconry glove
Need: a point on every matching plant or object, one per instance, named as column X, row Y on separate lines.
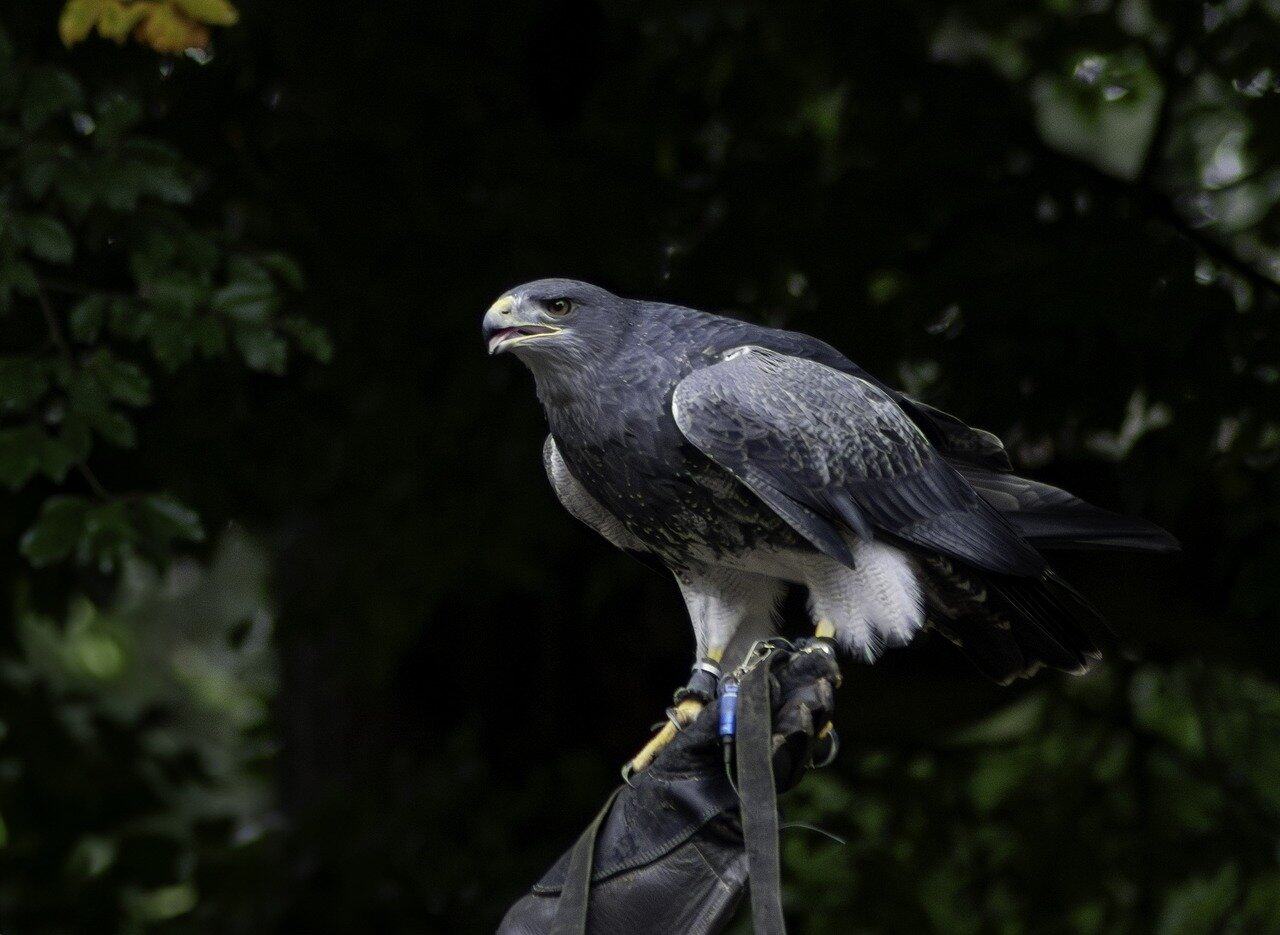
column 669, row 854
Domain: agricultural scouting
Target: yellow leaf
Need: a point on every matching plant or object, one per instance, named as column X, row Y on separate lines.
column 119, row 20
column 167, row 30
column 214, row 12
column 78, row 17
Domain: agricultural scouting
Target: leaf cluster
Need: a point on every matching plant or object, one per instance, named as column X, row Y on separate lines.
column 108, row 273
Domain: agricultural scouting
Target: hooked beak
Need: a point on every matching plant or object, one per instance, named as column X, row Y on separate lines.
column 502, row 339
column 502, row 331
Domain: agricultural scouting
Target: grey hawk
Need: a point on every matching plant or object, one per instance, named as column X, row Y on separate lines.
column 745, row 458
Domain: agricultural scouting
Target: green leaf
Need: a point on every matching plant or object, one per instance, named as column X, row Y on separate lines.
column 38, row 173
column 172, row 342
column 200, row 252
column 77, row 186
column 167, row 184
column 130, row 318
column 1012, row 722
column 151, row 151
column 119, row 186
column 165, row 518
column 262, row 349
column 250, row 301
column 997, row 776
column 48, row 239
column 76, row 436
column 1201, row 905
column 211, row 335
column 1262, row 902
column 240, row 266
column 23, row 380
column 153, row 254
column 89, row 399
column 117, row 115
column 56, row 458
column 160, row 905
column 86, row 318
column 109, row 536
column 114, row 427
column 289, row 272
column 56, row 532
column 19, row 277
column 84, row 394
column 91, row 857
column 174, row 292
column 19, row 454
column 121, row 379
column 49, row 92
column 311, row 338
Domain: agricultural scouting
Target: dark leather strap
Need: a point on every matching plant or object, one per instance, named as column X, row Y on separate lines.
column 571, row 913
column 759, row 800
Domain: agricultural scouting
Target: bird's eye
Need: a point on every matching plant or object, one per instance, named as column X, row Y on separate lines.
column 559, row 307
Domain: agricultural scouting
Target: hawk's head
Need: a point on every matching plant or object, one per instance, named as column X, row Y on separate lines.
column 555, row 321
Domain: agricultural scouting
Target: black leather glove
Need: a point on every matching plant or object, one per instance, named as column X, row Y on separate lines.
column 669, row 856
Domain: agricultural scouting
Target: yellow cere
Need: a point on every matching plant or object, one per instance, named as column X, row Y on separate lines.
column 503, row 305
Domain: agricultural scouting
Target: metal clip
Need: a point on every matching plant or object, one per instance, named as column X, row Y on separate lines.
column 760, row 651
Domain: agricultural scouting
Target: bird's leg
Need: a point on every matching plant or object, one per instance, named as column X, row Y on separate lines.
column 825, row 630
column 689, row 702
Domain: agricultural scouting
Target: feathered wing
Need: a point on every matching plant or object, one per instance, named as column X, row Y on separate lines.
column 830, row 451
column 951, row 436
column 826, row 449
column 956, row 439
column 1045, row 516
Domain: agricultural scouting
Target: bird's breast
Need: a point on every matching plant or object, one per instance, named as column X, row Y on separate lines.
column 673, row 498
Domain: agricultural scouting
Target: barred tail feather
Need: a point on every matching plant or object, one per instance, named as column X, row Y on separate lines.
column 1011, row 627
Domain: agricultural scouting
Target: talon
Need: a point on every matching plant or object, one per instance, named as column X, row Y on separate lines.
column 828, row 738
column 681, row 716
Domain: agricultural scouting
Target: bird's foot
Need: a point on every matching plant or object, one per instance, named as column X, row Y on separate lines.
column 689, row 702
column 678, row 718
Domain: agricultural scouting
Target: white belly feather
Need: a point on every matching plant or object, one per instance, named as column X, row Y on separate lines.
column 876, row 604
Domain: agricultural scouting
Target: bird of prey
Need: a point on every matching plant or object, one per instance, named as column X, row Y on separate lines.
column 744, row 458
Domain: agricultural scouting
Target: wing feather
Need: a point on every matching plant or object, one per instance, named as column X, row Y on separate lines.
column 826, row 449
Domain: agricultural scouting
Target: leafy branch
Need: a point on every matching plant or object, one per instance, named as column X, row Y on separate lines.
column 60, row 342
column 81, row 190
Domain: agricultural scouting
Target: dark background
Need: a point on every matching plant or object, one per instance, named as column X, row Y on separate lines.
column 1055, row 219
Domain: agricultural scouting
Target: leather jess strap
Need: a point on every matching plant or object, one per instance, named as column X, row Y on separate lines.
column 571, row 911
column 758, row 797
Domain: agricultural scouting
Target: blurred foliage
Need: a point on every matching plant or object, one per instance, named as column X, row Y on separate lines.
column 1058, row 219
column 99, row 262
column 142, row 724
column 1045, row 816
column 168, row 26
column 134, row 762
